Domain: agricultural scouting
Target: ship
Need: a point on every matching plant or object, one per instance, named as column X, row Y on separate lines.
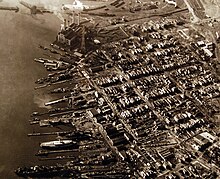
column 58, row 144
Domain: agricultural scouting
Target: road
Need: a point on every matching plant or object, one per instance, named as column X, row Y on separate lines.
column 191, row 10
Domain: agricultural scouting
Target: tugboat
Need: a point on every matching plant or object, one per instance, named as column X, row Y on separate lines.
column 65, row 143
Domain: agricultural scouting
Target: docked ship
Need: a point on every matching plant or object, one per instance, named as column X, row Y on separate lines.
column 58, row 144
column 45, row 171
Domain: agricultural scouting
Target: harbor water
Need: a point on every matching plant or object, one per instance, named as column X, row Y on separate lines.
column 20, row 36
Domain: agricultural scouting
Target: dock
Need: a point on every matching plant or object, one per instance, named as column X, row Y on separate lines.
column 49, row 133
column 16, row 9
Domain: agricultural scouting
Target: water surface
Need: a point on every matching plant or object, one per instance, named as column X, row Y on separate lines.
column 20, row 35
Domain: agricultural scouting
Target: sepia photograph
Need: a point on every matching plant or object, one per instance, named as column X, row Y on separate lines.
column 110, row 89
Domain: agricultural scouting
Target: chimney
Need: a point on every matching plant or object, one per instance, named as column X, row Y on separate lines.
column 68, row 24
column 78, row 19
column 64, row 23
column 73, row 18
column 62, row 27
column 217, row 35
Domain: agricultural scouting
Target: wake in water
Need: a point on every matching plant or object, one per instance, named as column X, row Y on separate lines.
column 41, row 99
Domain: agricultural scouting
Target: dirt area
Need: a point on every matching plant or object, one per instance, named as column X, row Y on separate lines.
column 212, row 8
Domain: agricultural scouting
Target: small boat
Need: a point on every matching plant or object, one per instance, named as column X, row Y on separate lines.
column 58, row 144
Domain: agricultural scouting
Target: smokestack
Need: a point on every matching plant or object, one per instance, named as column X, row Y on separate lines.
column 64, row 23
column 62, row 28
column 217, row 35
column 73, row 18
column 58, row 36
column 78, row 19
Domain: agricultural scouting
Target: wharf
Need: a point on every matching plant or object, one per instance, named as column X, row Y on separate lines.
column 49, row 133
column 16, row 9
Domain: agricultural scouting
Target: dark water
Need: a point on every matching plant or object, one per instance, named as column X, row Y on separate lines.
column 20, row 35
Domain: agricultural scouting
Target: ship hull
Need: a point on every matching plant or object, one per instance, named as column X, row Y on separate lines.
column 58, row 144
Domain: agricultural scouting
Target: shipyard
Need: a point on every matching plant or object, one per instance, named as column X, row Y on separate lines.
column 115, row 89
